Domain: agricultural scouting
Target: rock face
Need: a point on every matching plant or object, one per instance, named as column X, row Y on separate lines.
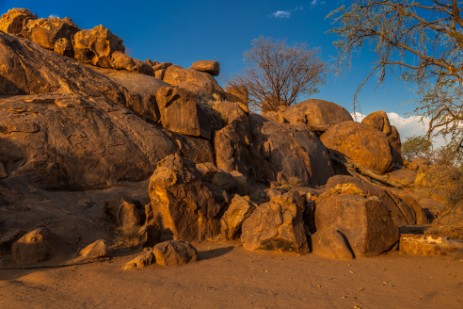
column 200, row 83
column 364, row 223
column 175, row 253
column 207, row 66
column 277, row 225
column 15, row 20
column 96, row 46
column 317, row 115
column 180, row 112
column 182, row 203
column 380, row 121
column 366, row 147
column 238, row 211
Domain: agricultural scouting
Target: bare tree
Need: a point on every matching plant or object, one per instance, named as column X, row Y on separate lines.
column 279, row 74
column 425, row 39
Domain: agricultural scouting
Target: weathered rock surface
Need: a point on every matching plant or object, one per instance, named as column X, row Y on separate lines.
column 207, row 66
column 180, row 112
column 317, row 115
column 366, row 147
column 126, row 213
column 240, row 209
column 182, row 203
column 200, row 83
column 364, row 222
column 276, row 225
column 330, row 243
column 122, row 61
column 96, row 46
column 380, row 121
column 141, row 261
column 175, row 253
column 15, row 20
column 96, row 249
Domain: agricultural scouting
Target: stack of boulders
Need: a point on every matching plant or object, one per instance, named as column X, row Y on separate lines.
column 78, row 113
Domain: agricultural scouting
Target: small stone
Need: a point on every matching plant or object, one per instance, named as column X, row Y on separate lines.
column 175, row 252
column 143, row 260
column 95, row 250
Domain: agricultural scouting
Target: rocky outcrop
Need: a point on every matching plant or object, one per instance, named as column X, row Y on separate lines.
column 207, row 66
column 182, row 203
column 122, row 61
column 317, row 115
column 174, row 253
column 15, row 20
column 277, row 226
column 238, row 211
column 364, row 146
column 96, row 46
column 380, row 121
column 363, row 222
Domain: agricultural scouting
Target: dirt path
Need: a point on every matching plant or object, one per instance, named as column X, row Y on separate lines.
column 230, row 277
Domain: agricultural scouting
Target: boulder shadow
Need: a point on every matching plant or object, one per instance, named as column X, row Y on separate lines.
column 214, row 253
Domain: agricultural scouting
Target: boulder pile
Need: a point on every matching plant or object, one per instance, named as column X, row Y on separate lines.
column 77, row 113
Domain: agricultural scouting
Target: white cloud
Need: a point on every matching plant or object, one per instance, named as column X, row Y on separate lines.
column 282, row 14
column 314, row 2
column 408, row 126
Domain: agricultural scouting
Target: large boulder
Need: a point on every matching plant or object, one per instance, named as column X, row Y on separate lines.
column 122, row 61
column 363, row 222
column 364, row 146
column 400, row 211
column 181, row 113
column 182, row 203
column 199, row 83
column 317, row 115
column 207, row 66
column 174, row 253
column 15, row 20
column 380, row 121
column 238, row 211
column 277, row 225
column 331, row 243
column 96, row 46
column 295, row 154
column 52, row 33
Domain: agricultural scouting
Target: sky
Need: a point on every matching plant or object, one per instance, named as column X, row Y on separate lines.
column 183, row 31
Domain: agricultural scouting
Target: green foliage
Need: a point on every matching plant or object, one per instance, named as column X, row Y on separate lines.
column 279, row 74
column 422, row 38
column 416, row 147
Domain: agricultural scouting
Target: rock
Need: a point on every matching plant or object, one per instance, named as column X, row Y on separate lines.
column 127, row 213
column 52, row 32
column 366, row 147
column 195, row 149
column 7, row 239
column 174, row 253
column 380, row 121
column 235, row 93
column 295, row 154
column 37, row 246
column 95, row 250
column 401, row 177
column 364, row 222
column 122, row 61
column 317, row 115
column 330, row 243
column 207, row 66
column 15, row 20
column 231, row 112
column 96, row 46
column 182, row 203
column 160, row 69
column 141, row 90
column 199, row 83
column 141, row 261
column 3, row 172
column 401, row 213
column 180, row 112
column 233, row 182
column 277, row 226
column 238, row 211
column 421, row 217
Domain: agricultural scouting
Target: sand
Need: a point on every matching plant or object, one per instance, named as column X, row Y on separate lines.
column 227, row 276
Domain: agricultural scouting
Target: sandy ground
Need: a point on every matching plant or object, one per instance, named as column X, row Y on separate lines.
column 227, row 276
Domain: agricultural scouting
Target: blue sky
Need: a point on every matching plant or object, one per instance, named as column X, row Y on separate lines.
column 182, row 31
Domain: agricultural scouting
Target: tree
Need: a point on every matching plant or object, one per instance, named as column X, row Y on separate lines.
column 279, row 74
column 425, row 39
column 416, row 147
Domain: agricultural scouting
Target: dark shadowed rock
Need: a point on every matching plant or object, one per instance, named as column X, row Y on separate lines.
column 364, row 222
column 175, row 253
column 96, row 46
column 195, row 149
column 207, row 66
column 317, row 115
column 180, row 112
column 182, row 203
column 276, row 225
column 364, row 146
